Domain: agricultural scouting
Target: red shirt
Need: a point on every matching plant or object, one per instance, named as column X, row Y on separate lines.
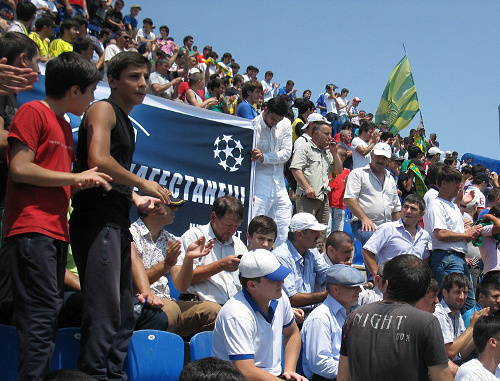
column 184, row 87
column 33, row 209
column 337, row 186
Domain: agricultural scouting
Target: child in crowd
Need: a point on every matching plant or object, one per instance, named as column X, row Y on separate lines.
column 39, row 186
column 100, row 222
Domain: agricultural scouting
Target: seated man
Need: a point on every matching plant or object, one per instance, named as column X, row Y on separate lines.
column 322, row 331
column 158, row 250
column 213, row 277
column 159, row 83
column 257, row 323
column 69, row 31
column 339, row 249
column 404, row 236
column 430, row 299
column 487, row 295
column 457, row 339
column 486, row 337
column 308, row 267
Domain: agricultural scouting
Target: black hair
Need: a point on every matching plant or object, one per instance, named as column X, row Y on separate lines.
column 25, row 10
column 210, row 369
column 250, row 87
column 13, row 44
column 262, row 225
column 228, row 205
column 408, row 278
column 104, row 32
column 485, row 328
column 187, row 38
column 415, row 199
column 81, row 20
column 213, row 83
column 67, row 70
column 278, row 106
column 455, row 279
column 337, row 238
column 122, row 60
column 68, row 24
column 82, row 43
column 432, row 173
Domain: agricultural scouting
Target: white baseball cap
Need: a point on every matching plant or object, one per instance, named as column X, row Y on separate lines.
column 303, row 221
column 315, row 117
column 262, row 263
column 382, row 149
column 434, row 151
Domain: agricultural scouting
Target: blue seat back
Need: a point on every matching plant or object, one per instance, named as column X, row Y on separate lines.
column 174, row 293
column 200, row 345
column 154, row 355
column 8, row 353
column 67, row 349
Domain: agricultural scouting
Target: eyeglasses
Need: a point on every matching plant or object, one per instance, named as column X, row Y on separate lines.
column 126, row 37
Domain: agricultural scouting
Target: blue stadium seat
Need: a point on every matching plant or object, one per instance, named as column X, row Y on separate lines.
column 200, row 345
column 67, row 349
column 8, row 353
column 358, row 255
column 154, row 355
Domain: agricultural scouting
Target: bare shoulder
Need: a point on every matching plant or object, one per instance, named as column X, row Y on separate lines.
column 100, row 115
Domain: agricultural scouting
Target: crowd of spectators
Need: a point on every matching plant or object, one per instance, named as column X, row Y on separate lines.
column 428, row 224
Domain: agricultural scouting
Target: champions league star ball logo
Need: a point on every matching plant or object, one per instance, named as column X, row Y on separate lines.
column 228, row 151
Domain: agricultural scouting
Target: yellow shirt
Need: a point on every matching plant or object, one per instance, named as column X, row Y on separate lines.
column 58, row 47
column 43, row 45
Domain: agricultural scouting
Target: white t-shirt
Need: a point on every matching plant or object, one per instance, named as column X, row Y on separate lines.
column 474, row 370
column 330, row 104
column 148, row 36
column 358, row 160
column 342, row 102
column 479, row 197
column 443, row 214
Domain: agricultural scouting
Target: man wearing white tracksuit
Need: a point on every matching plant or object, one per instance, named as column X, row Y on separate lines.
column 272, row 150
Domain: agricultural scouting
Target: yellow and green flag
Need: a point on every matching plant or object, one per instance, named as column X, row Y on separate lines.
column 399, row 102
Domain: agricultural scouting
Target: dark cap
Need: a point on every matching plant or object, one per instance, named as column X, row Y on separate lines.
column 481, row 176
column 344, row 275
column 395, row 157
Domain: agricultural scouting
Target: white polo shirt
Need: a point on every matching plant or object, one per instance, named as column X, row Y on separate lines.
column 442, row 214
column 243, row 332
column 358, row 160
column 392, row 239
column 377, row 200
column 221, row 286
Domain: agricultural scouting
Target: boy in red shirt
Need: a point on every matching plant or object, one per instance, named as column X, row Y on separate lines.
column 336, row 195
column 39, row 186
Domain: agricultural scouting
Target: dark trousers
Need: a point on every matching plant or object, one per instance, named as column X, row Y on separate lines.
column 102, row 255
column 37, row 263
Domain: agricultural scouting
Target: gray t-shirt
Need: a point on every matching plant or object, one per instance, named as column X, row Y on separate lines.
column 392, row 341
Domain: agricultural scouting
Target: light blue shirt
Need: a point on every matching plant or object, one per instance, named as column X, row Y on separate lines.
column 321, row 339
column 307, row 271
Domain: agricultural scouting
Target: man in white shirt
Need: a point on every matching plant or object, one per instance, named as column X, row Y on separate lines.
column 331, row 105
column 343, row 107
column 404, row 236
column 122, row 40
column 363, row 144
column 159, row 83
column 270, row 88
column 257, row 325
column 486, row 337
column 339, row 248
column 322, row 330
column 214, row 277
column 480, row 182
column 145, row 34
column 444, row 222
column 272, row 150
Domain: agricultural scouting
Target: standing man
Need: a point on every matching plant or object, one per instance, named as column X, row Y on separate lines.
column 308, row 267
column 213, row 277
column 273, row 149
column 99, row 229
column 362, row 145
column 257, row 324
column 311, row 166
column 322, row 330
column 354, row 112
column 342, row 107
column 270, row 88
column 289, row 90
column 443, row 221
column 404, row 236
column 391, row 339
column 371, row 195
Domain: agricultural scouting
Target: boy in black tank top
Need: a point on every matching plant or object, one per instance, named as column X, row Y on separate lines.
column 100, row 220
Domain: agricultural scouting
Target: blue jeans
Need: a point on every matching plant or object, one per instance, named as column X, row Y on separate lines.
column 363, row 237
column 443, row 263
column 337, row 222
